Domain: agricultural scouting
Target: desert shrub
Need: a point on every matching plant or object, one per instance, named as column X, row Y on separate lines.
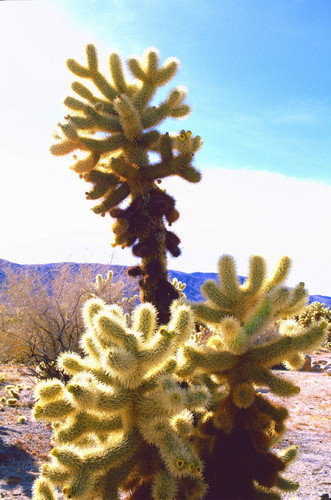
column 41, row 314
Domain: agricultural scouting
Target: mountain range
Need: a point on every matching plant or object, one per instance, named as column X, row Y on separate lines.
column 193, row 281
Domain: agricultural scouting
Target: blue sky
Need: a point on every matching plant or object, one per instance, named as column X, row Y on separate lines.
column 258, row 76
column 257, row 71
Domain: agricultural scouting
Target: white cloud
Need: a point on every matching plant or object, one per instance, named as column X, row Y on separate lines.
column 247, row 212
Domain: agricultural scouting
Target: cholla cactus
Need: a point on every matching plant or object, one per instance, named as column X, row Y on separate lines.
column 179, row 287
column 118, row 163
column 113, row 292
column 103, row 285
column 123, row 421
column 315, row 312
column 236, row 435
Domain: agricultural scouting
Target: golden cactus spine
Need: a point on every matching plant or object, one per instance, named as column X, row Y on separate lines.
column 115, row 130
column 236, row 436
column 123, row 422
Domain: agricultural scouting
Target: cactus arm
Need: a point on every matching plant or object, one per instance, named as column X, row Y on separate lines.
column 87, row 164
column 164, row 169
column 289, row 454
column 102, row 146
column 85, row 422
column 92, row 72
column 116, row 70
column 120, row 361
column 55, row 474
column 164, row 486
column 284, row 347
column 157, row 351
column 111, row 330
column 277, row 413
column 42, row 490
column 99, row 462
column 210, row 360
column 280, row 274
column 151, row 117
column 83, row 92
column 182, row 322
column 81, row 483
column 67, row 457
column 259, row 319
column 96, row 122
column 287, row 485
column 179, row 459
column 206, row 313
column 228, row 276
column 117, row 401
column 124, row 169
column 93, row 120
column 102, row 375
column 102, row 181
column 129, row 117
column 49, row 389
column 71, row 363
column 144, row 320
column 180, row 165
column 113, row 456
column 256, row 276
column 212, row 292
column 97, row 397
column 297, row 302
column 151, row 382
column 108, row 484
column 277, row 385
column 52, row 410
column 197, row 398
column 169, row 337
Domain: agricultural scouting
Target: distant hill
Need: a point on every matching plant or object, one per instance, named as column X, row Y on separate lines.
column 193, row 281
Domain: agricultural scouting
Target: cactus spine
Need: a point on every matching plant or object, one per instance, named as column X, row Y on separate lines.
column 118, row 164
column 236, row 436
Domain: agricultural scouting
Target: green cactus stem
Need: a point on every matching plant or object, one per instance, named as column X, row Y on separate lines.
column 115, row 132
column 236, row 436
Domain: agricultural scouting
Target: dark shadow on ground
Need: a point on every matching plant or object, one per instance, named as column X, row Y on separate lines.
column 16, row 467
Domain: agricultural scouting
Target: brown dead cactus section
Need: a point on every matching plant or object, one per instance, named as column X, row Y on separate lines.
column 114, row 138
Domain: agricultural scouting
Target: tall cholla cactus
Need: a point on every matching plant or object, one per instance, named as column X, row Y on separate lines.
column 118, row 164
column 123, row 421
column 236, row 435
